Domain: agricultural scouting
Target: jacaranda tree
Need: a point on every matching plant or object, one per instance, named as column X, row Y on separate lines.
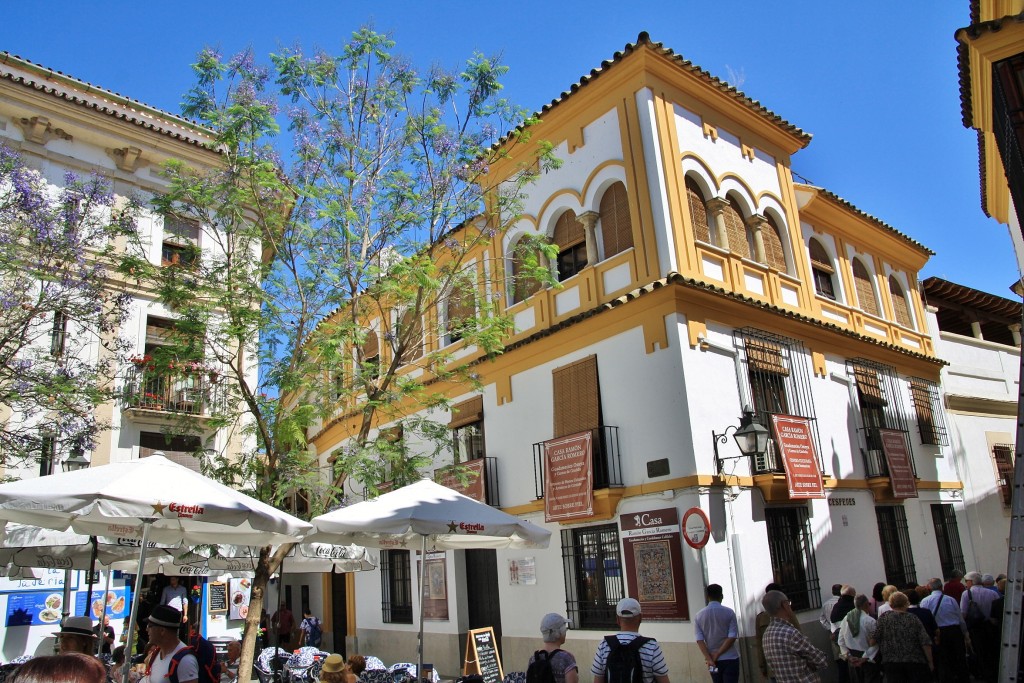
column 59, row 308
column 368, row 209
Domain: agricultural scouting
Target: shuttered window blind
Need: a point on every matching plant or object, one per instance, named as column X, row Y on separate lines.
column 899, row 302
column 865, row 292
column 736, row 230
column 774, row 254
column 577, row 399
column 568, row 231
column 698, row 211
column 616, row 226
column 467, row 412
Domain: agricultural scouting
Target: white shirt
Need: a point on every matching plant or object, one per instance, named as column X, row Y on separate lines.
column 188, row 667
column 825, row 618
column 847, row 641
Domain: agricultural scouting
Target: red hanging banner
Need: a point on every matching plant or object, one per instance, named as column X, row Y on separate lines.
column 569, row 477
column 901, row 471
column 803, row 476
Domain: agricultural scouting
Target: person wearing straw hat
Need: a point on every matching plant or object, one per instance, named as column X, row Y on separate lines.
column 335, row 670
column 164, row 622
column 77, row 635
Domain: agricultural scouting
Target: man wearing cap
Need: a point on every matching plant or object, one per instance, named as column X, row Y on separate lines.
column 77, row 635
column 628, row 616
column 716, row 631
column 163, row 623
column 563, row 664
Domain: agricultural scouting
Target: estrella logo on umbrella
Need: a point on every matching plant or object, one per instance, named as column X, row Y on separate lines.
column 180, row 510
column 466, row 527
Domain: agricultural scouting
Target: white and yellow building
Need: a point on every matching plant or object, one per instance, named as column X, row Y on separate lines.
column 696, row 277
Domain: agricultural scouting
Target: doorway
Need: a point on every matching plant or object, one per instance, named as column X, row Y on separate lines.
column 482, row 592
column 339, row 612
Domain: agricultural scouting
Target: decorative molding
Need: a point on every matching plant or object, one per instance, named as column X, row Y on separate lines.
column 747, row 151
column 39, row 130
column 710, row 132
column 127, row 159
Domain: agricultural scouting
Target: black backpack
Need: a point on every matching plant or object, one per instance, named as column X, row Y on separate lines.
column 624, row 664
column 539, row 670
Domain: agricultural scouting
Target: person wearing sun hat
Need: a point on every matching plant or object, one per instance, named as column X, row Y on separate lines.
column 76, row 635
column 164, row 622
column 335, row 670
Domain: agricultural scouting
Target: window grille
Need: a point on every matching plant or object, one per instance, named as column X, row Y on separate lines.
column 396, row 586
column 792, row 554
column 616, row 225
column 607, row 461
column 947, row 536
column 930, row 420
column 1006, row 120
column 897, row 554
column 881, row 407
column 593, row 575
column 1002, row 453
column 779, row 384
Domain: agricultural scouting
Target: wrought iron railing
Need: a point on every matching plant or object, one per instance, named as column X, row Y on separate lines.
column 605, row 461
column 192, row 393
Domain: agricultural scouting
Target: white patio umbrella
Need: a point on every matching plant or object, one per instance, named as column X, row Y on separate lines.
column 241, row 560
column 436, row 516
column 150, row 499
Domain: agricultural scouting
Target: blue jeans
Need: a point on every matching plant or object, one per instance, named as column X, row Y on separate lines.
column 728, row 671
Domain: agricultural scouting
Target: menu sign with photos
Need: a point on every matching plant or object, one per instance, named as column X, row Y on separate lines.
column 654, row 562
column 803, row 476
column 569, row 477
column 238, row 594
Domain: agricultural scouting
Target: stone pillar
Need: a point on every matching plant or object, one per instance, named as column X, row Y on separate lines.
column 716, row 207
column 589, row 221
column 976, row 330
column 1015, row 331
column 757, row 223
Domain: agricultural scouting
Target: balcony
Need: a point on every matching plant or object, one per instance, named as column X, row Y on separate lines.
column 149, row 392
column 606, row 464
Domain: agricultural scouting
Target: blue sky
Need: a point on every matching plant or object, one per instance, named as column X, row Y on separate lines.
column 874, row 82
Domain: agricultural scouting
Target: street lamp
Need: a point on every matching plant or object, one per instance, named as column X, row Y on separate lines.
column 77, row 460
column 751, row 438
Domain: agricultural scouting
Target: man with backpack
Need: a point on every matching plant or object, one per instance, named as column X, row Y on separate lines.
column 552, row 664
column 627, row 656
column 169, row 659
column 311, row 631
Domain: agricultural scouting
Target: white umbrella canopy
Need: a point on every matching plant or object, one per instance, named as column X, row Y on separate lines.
column 304, row 557
column 24, row 545
column 433, row 516
column 116, row 499
column 448, row 520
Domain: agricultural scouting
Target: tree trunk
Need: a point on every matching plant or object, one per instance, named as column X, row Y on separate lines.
column 257, row 595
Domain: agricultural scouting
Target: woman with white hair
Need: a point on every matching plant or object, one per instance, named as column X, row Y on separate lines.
column 563, row 664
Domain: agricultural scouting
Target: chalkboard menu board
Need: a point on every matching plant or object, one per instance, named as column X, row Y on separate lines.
column 218, row 592
column 482, row 655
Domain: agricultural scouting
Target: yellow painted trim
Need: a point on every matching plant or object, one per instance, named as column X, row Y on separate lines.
column 328, row 614
column 747, row 151
column 551, row 200
column 694, row 329
column 631, row 139
column 818, row 362
column 710, row 131
column 576, row 139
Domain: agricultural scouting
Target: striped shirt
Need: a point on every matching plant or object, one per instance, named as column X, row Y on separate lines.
column 650, row 656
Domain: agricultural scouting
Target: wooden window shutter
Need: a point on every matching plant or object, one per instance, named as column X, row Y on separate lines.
column 461, row 305
column 773, row 251
column 467, row 412
column 413, row 322
column 698, row 211
column 522, row 287
column 765, row 356
column 865, row 292
column 616, row 225
column 568, row 231
column 899, row 302
column 819, row 257
column 869, row 385
column 922, row 397
column 371, row 347
column 577, row 397
column 736, row 230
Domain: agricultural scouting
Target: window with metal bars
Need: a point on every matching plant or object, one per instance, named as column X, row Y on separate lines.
column 881, row 407
column 1002, row 453
column 396, row 586
column 930, row 420
column 792, row 552
column 897, row 555
column 780, row 384
column 47, row 454
column 593, row 575
column 947, row 536
column 58, row 334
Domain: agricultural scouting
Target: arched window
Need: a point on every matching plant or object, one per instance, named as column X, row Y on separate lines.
column 616, row 226
column 821, row 270
column 523, row 286
column 460, row 310
column 774, row 253
column 572, row 245
column 865, row 292
column 899, row 302
column 698, row 211
column 740, row 237
column 371, row 356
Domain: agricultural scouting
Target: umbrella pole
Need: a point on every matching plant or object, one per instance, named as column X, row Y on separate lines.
column 103, row 618
column 92, row 569
column 133, row 619
column 423, row 593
